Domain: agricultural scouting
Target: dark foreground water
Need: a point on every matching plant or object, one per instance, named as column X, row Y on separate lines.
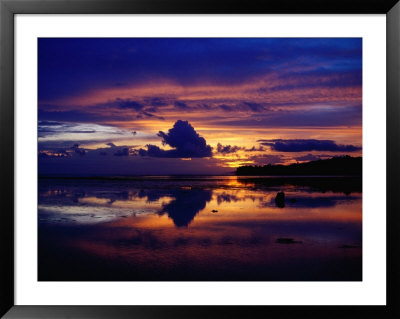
column 200, row 228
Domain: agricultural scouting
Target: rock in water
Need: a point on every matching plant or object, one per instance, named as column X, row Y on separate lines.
column 280, row 199
column 287, row 241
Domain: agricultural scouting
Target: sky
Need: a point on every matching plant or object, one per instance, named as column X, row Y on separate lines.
column 161, row 106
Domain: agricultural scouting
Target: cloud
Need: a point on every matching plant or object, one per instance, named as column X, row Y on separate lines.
column 151, row 109
column 255, row 107
column 205, row 106
column 145, row 113
column 74, row 116
column 152, row 115
column 122, row 152
column 51, row 128
column 156, row 101
column 78, row 150
column 255, row 149
column 186, row 204
column 226, row 108
column 266, row 159
column 154, row 151
column 299, row 115
column 64, row 70
column 180, row 105
column 227, row 149
column 82, row 131
column 53, row 154
column 308, row 157
column 49, row 123
column 184, row 140
column 61, row 152
column 129, row 104
column 301, row 145
column 69, row 133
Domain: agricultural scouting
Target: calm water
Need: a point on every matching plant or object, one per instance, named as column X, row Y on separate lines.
column 200, row 228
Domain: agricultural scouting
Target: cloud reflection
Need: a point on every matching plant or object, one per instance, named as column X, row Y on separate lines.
column 186, row 205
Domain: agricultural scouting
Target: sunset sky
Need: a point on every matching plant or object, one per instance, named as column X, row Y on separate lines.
column 129, row 106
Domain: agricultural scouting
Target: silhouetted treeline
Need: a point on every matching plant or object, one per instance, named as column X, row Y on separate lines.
column 337, row 184
column 345, row 165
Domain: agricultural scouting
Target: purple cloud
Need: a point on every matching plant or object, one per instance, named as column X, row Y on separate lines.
column 187, row 143
column 78, row 150
column 227, row 149
column 300, row 145
column 308, row 157
column 122, row 152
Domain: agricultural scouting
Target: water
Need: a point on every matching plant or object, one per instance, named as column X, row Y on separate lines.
column 200, row 228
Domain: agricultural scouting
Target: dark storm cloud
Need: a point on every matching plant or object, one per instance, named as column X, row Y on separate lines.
column 184, row 140
column 304, row 145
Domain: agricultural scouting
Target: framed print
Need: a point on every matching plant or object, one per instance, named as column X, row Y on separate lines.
column 191, row 160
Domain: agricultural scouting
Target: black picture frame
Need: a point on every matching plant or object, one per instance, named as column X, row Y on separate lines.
column 9, row 8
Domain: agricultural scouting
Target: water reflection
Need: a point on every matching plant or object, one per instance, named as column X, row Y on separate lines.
column 186, row 204
column 199, row 229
